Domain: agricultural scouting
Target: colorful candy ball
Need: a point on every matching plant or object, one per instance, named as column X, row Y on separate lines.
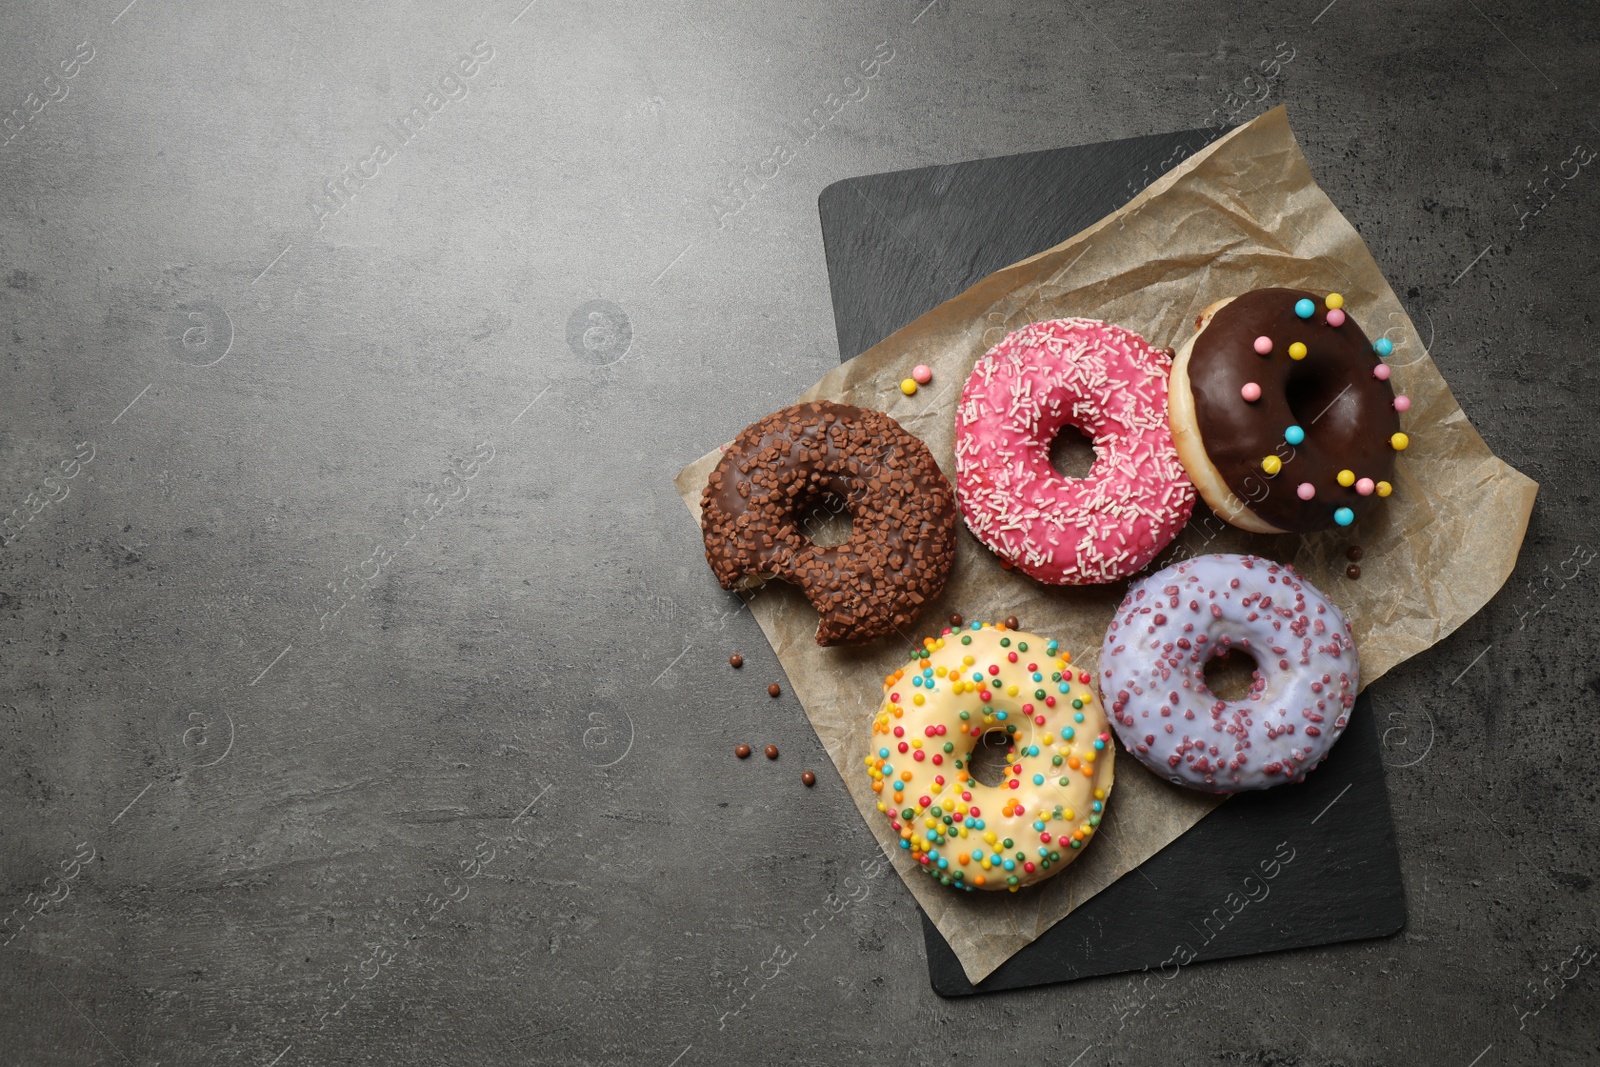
column 1263, row 345
column 1383, row 346
column 1294, row 435
column 1272, row 465
column 1251, row 392
column 1365, row 487
column 1402, row 403
column 908, row 387
column 922, row 374
column 1399, row 442
column 1335, row 317
column 1335, row 301
column 1297, row 351
column 1306, row 491
column 1304, row 308
column 1344, row 516
column 1381, row 372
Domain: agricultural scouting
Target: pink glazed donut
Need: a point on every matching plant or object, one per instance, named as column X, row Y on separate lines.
column 1152, row 673
column 1112, row 385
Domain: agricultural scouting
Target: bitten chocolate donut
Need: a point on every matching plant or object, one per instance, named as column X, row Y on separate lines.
column 1282, row 412
column 783, row 470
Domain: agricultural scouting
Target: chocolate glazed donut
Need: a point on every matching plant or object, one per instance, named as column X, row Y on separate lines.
column 785, row 469
column 1277, row 443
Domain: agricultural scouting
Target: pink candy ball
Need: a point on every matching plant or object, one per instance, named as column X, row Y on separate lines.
column 1402, row 403
column 922, row 374
column 1263, row 346
column 1336, row 317
column 1306, row 491
column 1381, row 372
column 1364, row 487
column 1251, row 392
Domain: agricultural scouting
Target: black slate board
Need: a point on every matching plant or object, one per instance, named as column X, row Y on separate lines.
column 899, row 244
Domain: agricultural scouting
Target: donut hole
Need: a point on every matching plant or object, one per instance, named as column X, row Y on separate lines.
column 1311, row 392
column 1072, row 452
column 825, row 520
column 988, row 762
column 1231, row 674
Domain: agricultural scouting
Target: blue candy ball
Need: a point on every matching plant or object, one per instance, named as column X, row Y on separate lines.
column 1304, row 308
column 1383, row 346
column 1344, row 516
column 1294, row 435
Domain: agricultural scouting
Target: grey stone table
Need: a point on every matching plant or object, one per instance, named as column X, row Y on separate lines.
column 366, row 696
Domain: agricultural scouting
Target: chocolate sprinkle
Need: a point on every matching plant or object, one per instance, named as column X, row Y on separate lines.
column 808, row 778
column 955, row 620
column 771, row 751
column 736, row 661
column 781, row 470
column 1353, row 554
column 742, row 751
column 774, row 689
column 1012, row 623
column 1352, row 571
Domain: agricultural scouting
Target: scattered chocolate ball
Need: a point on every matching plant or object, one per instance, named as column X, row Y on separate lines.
column 742, row 751
column 774, row 689
column 736, row 661
column 1353, row 554
column 771, row 751
column 1352, row 571
column 808, row 778
column 955, row 620
column 1012, row 623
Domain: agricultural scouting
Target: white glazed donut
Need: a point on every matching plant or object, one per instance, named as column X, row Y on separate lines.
column 1152, row 671
column 991, row 678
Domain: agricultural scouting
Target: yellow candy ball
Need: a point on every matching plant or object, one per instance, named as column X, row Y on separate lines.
column 1335, row 301
column 908, row 387
column 1272, row 465
column 1384, row 488
column 1297, row 351
column 1347, row 478
column 1399, row 441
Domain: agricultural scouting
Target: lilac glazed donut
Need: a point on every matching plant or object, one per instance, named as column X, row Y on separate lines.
column 1152, row 673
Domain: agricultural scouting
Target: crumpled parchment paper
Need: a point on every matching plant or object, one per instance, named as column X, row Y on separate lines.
column 1243, row 213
